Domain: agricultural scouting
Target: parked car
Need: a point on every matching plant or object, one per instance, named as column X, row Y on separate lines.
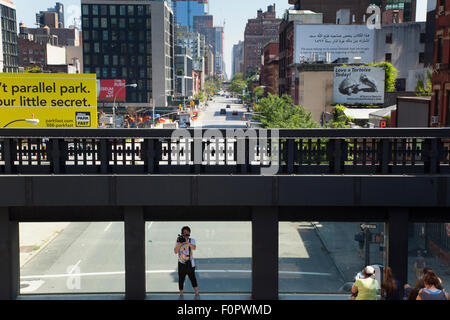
column 234, row 113
column 223, row 111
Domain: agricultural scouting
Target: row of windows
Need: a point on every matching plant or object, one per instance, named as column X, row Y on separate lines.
column 10, row 49
column 114, row 23
column 9, row 25
column 116, row 48
column 8, row 12
column 121, row 35
column 10, row 61
column 115, row 10
column 144, row 74
column 25, row 60
column 33, row 52
column 388, row 57
column 8, row 36
column 422, row 38
column 115, row 60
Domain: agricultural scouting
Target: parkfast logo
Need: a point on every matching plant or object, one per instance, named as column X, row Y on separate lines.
column 83, row 119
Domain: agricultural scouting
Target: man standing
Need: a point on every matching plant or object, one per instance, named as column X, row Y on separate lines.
column 186, row 264
column 419, row 264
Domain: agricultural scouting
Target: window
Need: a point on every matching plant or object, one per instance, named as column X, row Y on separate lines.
column 113, row 22
column 86, row 47
column 95, row 23
column 105, row 73
column 131, row 10
column 388, row 57
column 105, row 35
column 140, row 10
column 122, row 23
column 389, row 38
column 86, row 35
column 437, row 103
column 122, row 10
column 104, row 23
column 103, row 10
column 95, row 10
column 106, row 60
column 447, row 122
column 112, row 10
column 421, row 57
column 423, row 37
column 85, row 9
column 439, row 50
column 132, row 23
column 85, row 23
column 87, row 60
column 115, row 60
column 95, row 35
column 400, row 84
column 114, row 36
column 96, row 47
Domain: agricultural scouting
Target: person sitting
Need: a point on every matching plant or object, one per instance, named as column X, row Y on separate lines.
column 367, row 288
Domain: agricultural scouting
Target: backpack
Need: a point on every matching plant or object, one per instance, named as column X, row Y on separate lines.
column 359, row 237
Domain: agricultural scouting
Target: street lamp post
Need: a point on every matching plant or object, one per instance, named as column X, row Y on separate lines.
column 133, row 85
column 32, row 121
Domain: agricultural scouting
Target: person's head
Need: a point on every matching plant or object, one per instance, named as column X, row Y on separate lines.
column 425, row 271
column 186, row 231
column 431, row 279
column 388, row 274
column 369, row 271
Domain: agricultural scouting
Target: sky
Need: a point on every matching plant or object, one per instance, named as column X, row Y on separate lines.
column 234, row 13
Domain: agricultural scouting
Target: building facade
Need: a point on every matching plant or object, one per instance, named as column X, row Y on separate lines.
column 269, row 72
column 358, row 8
column 9, row 60
column 52, row 17
column 238, row 59
column 134, row 41
column 183, row 70
column 440, row 103
column 185, row 10
column 258, row 32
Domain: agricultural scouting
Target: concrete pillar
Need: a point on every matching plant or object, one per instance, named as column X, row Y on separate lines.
column 397, row 246
column 135, row 280
column 9, row 256
column 265, row 253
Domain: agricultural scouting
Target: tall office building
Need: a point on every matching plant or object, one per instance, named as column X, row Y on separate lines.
column 358, row 8
column 9, row 56
column 131, row 40
column 53, row 17
column 203, row 21
column 238, row 59
column 258, row 32
column 185, row 10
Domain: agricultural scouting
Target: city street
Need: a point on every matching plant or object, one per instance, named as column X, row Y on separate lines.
column 211, row 117
column 93, row 254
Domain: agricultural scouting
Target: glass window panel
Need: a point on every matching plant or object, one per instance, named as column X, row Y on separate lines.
column 85, row 9
column 105, row 35
column 95, row 22
column 104, row 22
column 95, row 10
column 104, row 10
column 324, row 257
column 131, row 10
column 113, row 22
column 224, row 270
column 112, row 10
column 72, row 257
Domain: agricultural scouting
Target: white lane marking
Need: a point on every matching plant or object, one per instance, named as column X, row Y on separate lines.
column 108, row 226
column 30, row 286
column 90, row 274
column 150, row 225
column 74, row 267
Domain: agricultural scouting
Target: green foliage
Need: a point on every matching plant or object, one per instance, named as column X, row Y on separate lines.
column 212, row 84
column 276, row 112
column 340, row 119
column 259, row 92
column 422, row 88
column 391, row 75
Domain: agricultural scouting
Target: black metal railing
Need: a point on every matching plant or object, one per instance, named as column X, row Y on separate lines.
column 310, row 151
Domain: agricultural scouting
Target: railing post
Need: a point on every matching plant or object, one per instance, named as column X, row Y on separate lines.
column 103, row 155
column 397, row 249
column 265, row 253
column 135, row 280
column 385, row 156
column 8, row 155
column 55, row 155
column 149, row 155
column 290, row 157
column 9, row 256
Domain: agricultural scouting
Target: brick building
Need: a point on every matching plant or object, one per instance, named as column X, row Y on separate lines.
column 269, row 72
column 258, row 32
column 440, row 116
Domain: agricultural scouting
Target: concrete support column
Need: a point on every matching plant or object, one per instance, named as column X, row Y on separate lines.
column 397, row 246
column 135, row 280
column 9, row 257
column 265, row 253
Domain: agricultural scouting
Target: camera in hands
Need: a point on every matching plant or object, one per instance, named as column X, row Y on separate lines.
column 181, row 238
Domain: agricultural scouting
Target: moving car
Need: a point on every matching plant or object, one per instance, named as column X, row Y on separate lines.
column 235, row 113
column 223, row 111
column 228, row 106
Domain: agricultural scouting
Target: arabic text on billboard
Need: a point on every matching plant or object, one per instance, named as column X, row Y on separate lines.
column 359, row 85
column 340, row 41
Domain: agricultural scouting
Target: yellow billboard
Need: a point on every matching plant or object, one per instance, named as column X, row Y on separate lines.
column 56, row 100
column 49, row 117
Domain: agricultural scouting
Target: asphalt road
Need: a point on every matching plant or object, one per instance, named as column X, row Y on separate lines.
column 89, row 258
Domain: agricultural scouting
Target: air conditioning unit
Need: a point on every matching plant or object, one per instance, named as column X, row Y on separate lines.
column 435, row 120
column 441, row 10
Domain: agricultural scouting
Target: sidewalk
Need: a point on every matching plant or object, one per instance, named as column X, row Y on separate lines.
column 338, row 239
column 34, row 237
